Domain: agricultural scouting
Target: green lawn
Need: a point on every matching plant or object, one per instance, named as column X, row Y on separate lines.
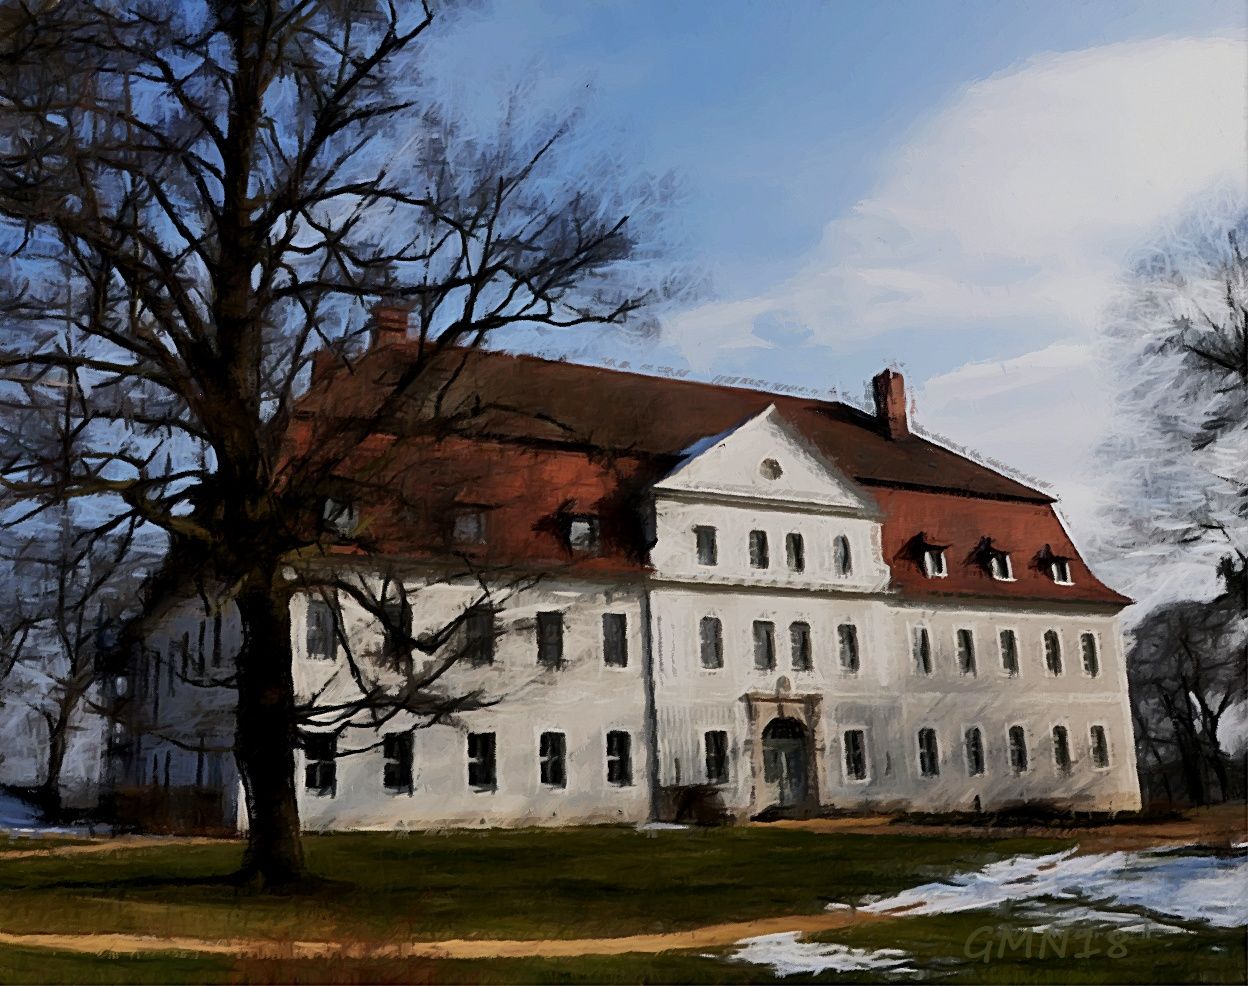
column 549, row 883
column 560, row 883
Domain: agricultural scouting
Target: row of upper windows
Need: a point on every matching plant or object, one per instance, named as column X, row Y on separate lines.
column 475, row 641
column 1007, row 643
column 706, row 546
column 998, row 563
column 801, row 646
column 321, row 755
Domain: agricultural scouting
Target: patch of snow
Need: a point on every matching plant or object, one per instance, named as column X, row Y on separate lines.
column 1206, row 888
column 660, row 827
column 1061, row 916
column 20, row 817
column 788, row 955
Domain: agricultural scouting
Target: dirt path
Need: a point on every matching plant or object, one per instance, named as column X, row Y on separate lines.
column 111, row 844
column 1224, row 824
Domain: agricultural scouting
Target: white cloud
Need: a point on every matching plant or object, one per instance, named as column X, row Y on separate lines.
column 1017, row 201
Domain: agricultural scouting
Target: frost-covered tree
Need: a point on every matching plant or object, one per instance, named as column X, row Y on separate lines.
column 1177, row 459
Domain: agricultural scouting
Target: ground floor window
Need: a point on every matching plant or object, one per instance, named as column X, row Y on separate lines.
column 482, row 765
column 1061, row 750
column 716, row 757
column 1100, row 747
column 855, row 754
column 320, row 772
column 974, row 752
column 397, row 770
column 1018, row 750
column 552, row 755
column 929, row 755
column 619, row 758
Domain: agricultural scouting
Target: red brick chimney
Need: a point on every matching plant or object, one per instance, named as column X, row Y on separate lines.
column 390, row 322
column 890, row 404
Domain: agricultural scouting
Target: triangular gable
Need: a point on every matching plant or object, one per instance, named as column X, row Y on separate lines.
column 764, row 458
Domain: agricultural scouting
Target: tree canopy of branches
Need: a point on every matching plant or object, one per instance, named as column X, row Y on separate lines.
column 1179, row 449
column 207, row 193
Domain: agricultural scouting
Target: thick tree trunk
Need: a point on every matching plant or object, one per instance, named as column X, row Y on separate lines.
column 265, row 738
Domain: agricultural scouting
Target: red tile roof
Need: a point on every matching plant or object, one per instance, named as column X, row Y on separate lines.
column 560, row 433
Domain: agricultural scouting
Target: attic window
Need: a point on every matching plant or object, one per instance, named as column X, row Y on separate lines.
column 340, row 517
column 771, row 469
column 934, row 562
column 1000, row 567
column 583, row 534
column 1059, row 568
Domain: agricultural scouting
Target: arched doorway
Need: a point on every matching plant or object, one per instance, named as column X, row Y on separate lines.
column 785, row 756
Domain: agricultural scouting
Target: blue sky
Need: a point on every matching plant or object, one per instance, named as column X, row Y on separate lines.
column 947, row 187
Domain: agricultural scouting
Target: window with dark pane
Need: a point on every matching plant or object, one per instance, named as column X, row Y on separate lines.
column 552, row 754
column 396, row 749
column 615, row 640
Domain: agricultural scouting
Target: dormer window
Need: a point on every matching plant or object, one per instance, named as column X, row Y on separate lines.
column 1059, row 568
column 340, row 517
column 934, row 563
column 583, row 535
column 469, row 526
column 999, row 566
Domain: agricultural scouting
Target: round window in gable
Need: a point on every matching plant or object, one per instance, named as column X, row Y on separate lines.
column 771, row 469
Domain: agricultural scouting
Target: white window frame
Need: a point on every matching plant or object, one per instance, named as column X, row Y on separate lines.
column 972, row 652
column 1070, row 749
column 1059, row 566
column 1028, row 750
column 1000, row 567
column 1109, row 752
column 983, row 750
column 1100, row 662
column 846, row 777
column 1061, row 652
column 1018, row 654
column 935, row 566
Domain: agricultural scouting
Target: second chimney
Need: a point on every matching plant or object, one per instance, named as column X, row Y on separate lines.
column 890, row 404
column 390, row 322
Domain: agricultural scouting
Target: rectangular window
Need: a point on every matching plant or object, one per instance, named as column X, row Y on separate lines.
column 759, row 555
column 1009, row 652
column 711, row 642
column 708, row 546
column 550, row 639
column 583, row 535
column 1100, row 746
column 764, row 645
column 552, row 753
column 974, row 752
column 799, row 644
column 1018, row 750
column 1053, row 652
column 966, row 652
column 396, row 748
column 1000, row 566
column 340, row 517
column 1060, row 570
column 320, row 771
column 855, row 755
column 847, row 646
column 1061, row 750
column 469, row 526
column 929, row 755
column 1091, row 659
column 619, row 758
column 921, row 647
column 795, row 552
column 396, row 627
column 216, row 640
column 322, row 636
column 716, row 757
column 615, row 640
column 482, row 764
column 934, row 563
column 479, row 635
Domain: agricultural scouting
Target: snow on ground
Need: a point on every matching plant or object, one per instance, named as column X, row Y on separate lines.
column 20, row 817
column 1190, row 887
column 1134, row 892
column 788, row 955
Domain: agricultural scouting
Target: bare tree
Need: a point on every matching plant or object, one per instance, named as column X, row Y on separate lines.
column 228, row 184
column 1187, row 668
column 1179, row 450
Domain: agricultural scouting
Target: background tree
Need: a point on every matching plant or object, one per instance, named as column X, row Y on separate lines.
column 229, row 185
column 1178, row 464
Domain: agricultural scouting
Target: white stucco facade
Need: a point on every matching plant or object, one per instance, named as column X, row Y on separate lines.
column 739, row 674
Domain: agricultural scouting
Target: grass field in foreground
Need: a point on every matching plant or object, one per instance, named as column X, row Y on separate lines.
column 537, row 883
